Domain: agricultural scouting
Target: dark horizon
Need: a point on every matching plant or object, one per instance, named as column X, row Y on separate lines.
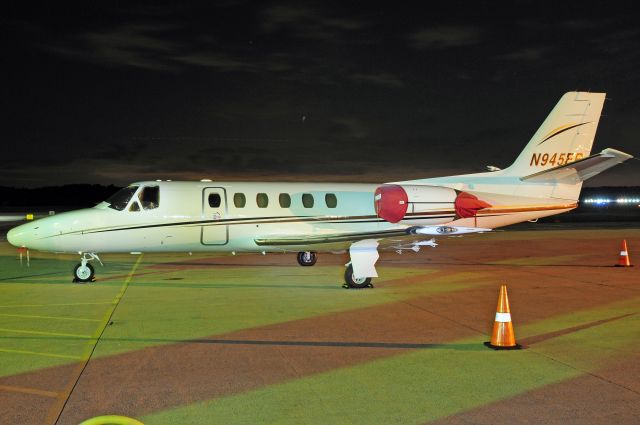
column 88, row 195
column 307, row 90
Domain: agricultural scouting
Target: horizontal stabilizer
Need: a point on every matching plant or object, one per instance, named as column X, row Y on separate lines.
column 579, row 171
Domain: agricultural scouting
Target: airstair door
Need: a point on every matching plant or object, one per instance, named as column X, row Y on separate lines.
column 214, row 211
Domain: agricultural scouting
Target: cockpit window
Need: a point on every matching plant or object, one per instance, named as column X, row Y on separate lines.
column 120, row 199
column 149, row 197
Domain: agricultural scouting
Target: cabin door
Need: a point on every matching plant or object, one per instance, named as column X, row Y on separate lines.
column 214, row 211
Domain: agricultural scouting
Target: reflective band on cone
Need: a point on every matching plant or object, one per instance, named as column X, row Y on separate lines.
column 503, row 317
column 503, row 337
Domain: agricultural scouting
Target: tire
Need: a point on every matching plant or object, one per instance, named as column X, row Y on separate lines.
column 83, row 274
column 307, row 258
column 351, row 282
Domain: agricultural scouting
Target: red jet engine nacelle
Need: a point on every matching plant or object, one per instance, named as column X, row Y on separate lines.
column 391, row 202
column 394, row 203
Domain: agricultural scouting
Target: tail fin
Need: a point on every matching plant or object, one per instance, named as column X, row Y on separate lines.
column 565, row 136
column 556, row 160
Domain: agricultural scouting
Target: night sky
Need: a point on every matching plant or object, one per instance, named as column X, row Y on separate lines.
column 308, row 91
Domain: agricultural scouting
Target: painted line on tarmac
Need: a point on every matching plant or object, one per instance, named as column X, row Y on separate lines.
column 58, row 407
column 35, row 353
column 30, row 316
column 24, row 331
column 49, row 305
column 24, row 390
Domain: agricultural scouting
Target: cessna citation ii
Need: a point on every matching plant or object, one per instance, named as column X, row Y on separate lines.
column 307, row 218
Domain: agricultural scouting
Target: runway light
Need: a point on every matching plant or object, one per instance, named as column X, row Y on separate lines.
column 597, row 201
column 607, row 201
column 628, row 200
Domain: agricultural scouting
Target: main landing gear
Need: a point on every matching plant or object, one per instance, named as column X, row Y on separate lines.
column 84, row 272
column 361, row 268
column 307, row 258
column 350, row 281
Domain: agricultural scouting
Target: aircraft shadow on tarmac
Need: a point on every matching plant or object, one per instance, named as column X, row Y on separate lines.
column 4, row 279
column 534, row 339
column 277, row 343
column 471, row 346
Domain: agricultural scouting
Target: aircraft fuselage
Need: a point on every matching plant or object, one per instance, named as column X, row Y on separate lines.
column 219, row 216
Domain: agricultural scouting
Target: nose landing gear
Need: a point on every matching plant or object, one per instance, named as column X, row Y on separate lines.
column 84, row 272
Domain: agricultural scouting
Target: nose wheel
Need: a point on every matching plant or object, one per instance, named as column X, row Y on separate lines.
column 307, row 258
column 84, row 272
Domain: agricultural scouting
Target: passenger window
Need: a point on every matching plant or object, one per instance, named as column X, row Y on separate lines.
column 149, row 197
column 331, row 200
column 262, row 200
column 285, row 200
column 215, row 200
column 134, row 207
column 307, row 200
column 239, row 200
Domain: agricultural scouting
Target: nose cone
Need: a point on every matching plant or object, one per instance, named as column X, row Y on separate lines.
column 24, row 235
column 18, row 236
column 15, row 236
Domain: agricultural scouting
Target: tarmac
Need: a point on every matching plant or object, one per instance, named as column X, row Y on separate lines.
column 249, row 339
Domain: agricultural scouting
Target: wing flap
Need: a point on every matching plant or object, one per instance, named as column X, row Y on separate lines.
column 292, row 240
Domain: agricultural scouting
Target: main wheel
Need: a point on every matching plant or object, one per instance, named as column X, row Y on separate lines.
column 84, row 273
column 354, row 283
column 307, row 258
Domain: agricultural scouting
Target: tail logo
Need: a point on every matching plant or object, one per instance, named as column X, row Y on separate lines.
column 561, row 129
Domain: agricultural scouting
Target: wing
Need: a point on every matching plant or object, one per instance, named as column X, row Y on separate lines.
column 397, row 239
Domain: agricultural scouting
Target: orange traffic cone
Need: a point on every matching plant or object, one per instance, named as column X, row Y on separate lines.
column 503, row 337
column 624, row 260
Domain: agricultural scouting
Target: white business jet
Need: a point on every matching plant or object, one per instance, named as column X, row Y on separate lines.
column 307, row 218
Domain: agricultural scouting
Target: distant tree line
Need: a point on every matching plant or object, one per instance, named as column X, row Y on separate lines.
column 52, row 197
column 68, row 197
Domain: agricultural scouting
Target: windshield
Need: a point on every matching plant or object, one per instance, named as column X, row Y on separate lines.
column 120, row 199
